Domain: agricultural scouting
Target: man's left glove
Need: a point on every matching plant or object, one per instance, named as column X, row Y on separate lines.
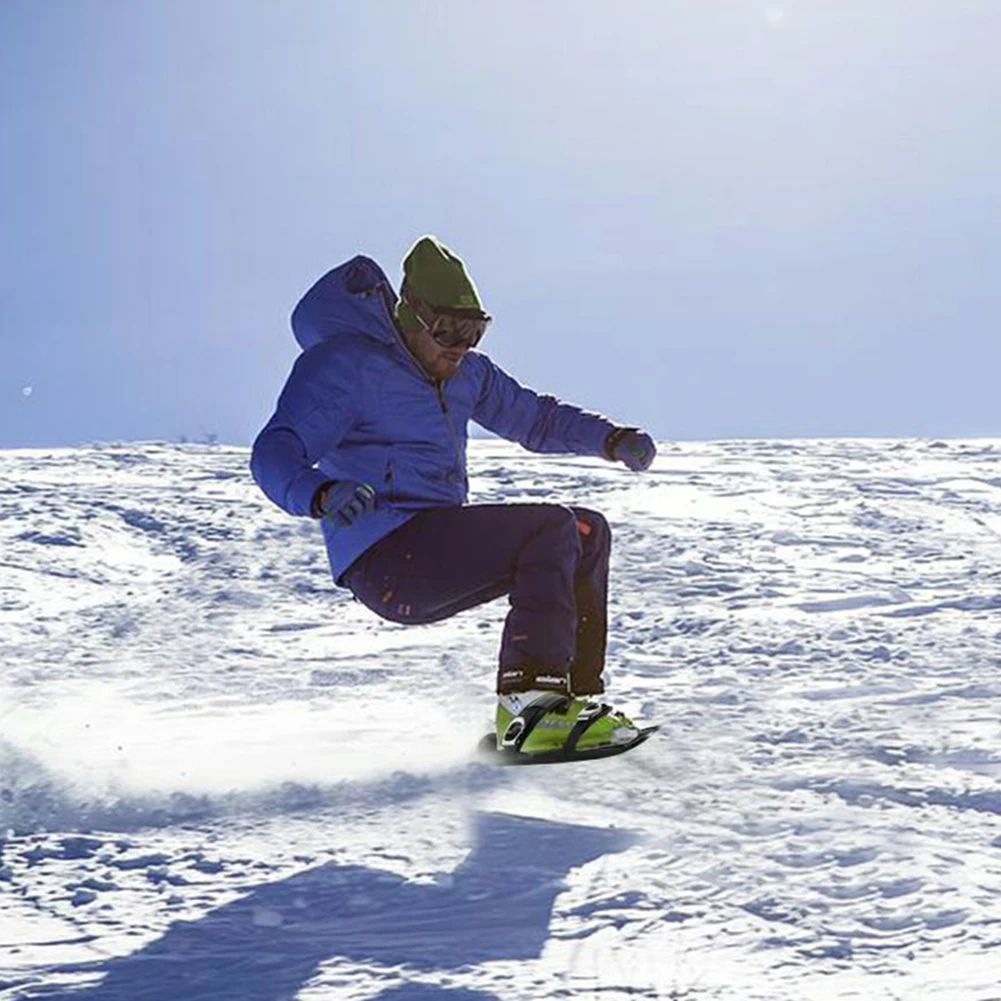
column 632, row 446
column 343, row 501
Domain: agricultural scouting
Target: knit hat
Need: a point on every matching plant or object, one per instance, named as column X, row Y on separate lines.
column 438, row 277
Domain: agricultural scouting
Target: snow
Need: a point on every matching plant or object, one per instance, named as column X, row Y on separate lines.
column 211, row 786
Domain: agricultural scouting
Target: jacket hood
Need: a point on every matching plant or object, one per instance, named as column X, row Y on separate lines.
column 354, row 298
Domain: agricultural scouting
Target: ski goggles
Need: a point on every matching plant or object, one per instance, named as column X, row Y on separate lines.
column 451, row 328
column 458, row 331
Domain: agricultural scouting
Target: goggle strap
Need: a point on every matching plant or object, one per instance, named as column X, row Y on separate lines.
column 417, row 306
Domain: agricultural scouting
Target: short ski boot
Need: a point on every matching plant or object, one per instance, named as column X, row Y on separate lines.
column 547, row 724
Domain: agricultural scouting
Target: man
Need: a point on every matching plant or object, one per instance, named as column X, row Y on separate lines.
column 369, row 436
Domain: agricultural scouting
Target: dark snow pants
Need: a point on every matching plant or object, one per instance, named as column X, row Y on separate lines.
column 551, row 560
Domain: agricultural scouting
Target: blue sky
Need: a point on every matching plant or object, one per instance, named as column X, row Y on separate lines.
column 713, row 219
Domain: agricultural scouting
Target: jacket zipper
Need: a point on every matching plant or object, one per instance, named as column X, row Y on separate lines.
column 451, row 430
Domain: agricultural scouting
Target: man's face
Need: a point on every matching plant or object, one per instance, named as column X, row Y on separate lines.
column 438, row 362
column 442, row 336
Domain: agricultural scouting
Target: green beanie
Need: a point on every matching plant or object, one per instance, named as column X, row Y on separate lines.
column 433, row 273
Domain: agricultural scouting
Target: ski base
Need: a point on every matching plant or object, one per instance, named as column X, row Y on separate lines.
column 487, row 748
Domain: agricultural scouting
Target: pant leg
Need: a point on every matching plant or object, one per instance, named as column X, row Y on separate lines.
column 591, row 598
column 445, row 560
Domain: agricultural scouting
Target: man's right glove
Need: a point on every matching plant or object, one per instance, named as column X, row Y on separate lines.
column 343, row 501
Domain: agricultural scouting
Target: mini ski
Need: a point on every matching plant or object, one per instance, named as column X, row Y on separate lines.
column 487, row 748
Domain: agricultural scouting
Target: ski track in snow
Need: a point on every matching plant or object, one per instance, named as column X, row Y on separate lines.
column 206, row 791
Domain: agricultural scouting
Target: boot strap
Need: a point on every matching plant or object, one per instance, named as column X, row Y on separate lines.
column 584, row 721
column 519, row 729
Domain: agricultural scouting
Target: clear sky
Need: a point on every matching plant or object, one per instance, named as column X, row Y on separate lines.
column 713, row 218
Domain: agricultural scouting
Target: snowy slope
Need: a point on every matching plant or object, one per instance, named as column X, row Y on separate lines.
column 205, row 794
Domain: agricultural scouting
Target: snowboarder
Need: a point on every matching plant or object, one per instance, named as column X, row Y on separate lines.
column 369, row 436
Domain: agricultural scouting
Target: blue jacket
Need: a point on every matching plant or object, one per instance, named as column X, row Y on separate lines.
column 358, row 406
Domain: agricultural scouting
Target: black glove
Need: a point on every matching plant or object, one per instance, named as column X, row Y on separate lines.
column 343, row 501
column 632, row 446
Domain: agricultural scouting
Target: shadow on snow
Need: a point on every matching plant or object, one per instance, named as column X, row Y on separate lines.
column 267, row 945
